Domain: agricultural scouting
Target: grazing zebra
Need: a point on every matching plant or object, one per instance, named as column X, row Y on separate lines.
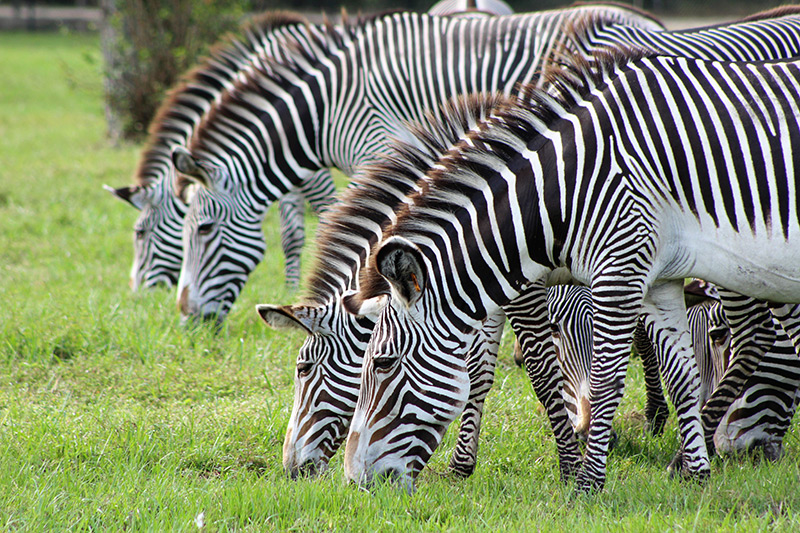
column 657, row 169
column 331, row 99
column 760, row 416
column 158, row 230
column 570, row 311
column 330, row 362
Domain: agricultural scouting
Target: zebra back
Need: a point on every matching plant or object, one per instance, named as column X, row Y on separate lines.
column 770, row 35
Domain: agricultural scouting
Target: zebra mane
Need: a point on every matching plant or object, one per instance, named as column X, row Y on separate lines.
column 775, row 12
column 621, row 5
column 353, row 224
column 509, row 129
column 232, row 51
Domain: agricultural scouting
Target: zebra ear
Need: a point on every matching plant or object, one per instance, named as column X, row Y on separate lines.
column 356, row 305
column 189, row 166
column 400, row 262
column 286, row 317
column 133, row 195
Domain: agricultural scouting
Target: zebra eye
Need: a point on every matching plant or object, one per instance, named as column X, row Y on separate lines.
column 304, row 369
column 139, row 234
column 718, row 335
column 205, row 228
column 383, row 363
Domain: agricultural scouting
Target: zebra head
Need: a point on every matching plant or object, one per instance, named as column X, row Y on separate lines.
column 414, row 378
column 326, row 380
column 222, row 238
column 157, row 233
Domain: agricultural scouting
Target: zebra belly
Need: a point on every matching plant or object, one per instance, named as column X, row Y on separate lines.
column 764, row 267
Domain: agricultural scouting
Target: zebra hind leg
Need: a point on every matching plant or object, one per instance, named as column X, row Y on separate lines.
column 656, row 410
column 293, row 235
column 665, row 321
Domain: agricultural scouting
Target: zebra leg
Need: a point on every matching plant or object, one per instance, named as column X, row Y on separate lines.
column 752, row 335
column 616, row 309
column 530, row 320
column 664, row 315
column 293, row 234
column 481, row 362
column 319, row 190
column 656, row 410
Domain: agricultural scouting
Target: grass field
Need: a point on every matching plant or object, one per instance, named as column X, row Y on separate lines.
column 113, row 417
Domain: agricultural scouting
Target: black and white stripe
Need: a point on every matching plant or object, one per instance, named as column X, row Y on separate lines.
column 320, row 318
column 333, row 98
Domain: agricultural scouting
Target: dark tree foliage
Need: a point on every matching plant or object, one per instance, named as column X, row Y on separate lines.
column 147, row 45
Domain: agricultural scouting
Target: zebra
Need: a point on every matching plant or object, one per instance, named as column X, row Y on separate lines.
column 330, row 362
column 769, row 35
column 158, row 230
column 331, row 99
column 760, row 417
column 632, row 205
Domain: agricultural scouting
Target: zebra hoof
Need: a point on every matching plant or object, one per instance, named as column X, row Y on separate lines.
column 678, row 469
column 675, row 466
column 773, row 450
column 569, row 469
column 461, row 470
column 656, row 420
column 584, row 484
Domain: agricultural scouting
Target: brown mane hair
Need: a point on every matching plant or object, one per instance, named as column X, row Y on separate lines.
column 523, row 119
column 385, row 184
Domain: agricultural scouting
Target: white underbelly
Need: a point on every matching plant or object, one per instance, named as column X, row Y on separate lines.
column 760, row 266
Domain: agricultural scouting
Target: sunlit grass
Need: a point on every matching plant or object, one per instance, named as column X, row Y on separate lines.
column 113, row 417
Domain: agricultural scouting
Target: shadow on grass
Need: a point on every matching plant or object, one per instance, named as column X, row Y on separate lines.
column 210, row 467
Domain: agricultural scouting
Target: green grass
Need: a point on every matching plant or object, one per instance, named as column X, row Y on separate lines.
column 113, row 417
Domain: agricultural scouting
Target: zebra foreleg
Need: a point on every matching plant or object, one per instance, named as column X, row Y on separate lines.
column 482, row 359
column 616, row 309
column 530, row 320
column 664, row 316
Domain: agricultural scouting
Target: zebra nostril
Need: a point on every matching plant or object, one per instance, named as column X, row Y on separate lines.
column 160, row 284
column 308, row 469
